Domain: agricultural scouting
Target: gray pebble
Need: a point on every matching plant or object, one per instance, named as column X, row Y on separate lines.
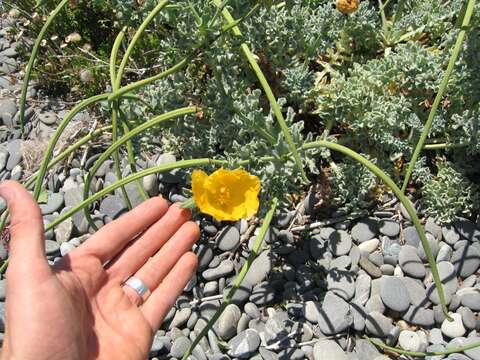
column 450, row 235
column 471, row 300
column 378, row 325
column 339, row 242
column 364, row 230
column 225, row 268
column 180, row 346
column 394, row 294
column 227, row 322
column 389, row 228
column 420, row 316
column 466, row 260
column 342, row 283
column 370, row 268
column 328, row 349
column 228, row 239
column 244, row 345
column 410, row 262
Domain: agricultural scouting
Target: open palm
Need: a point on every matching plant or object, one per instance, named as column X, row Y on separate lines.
column 79, row 308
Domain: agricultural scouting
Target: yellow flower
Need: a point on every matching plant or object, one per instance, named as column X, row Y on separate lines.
column 347, row 6
column 226, row 194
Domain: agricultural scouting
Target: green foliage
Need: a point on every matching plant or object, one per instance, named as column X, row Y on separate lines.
column 449, row 194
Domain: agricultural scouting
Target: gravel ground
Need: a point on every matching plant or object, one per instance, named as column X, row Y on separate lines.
column 315, row 289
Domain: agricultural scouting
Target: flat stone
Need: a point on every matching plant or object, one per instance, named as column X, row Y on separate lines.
column 262, row 294
column 150, row 184
column 204, row 254
column 445, row 253
column 370, row 268
column 411, row 237
column 227, row 322
column 375, row 303
column 180, row 346
column 160, row 345
column 4, row 154
column 410, row 341
column 416, row 291
column 394, row 294
column 364, row 230
column 410, row 262
column 339, row 242
column 389, row 228
column 225, row 268
column 328, row 349
column 113, row 206
column 378, row 325
column 468, row 318
column 181, row 317
column 244, row 345
column 455, row 328
column 359, row 314
column 362, row 288
column 63, row 231
column 466, row 260
column 450, row 235
column 54, row 202
column 342, row 283
column 467, row 229
column 475, row 352
column 448, row 278
column 14, row 148
column 66, row 247
column 471, row 300
column 8, row 107
column 333, row 316
column 418, row 315
column 228, row 239
column 48, row 118
column 369, row 246
column 51, row 247
column 259, row 269
column 365, row 350
column 318, row 246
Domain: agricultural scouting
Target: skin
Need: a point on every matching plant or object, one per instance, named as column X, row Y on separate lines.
column 79, row 309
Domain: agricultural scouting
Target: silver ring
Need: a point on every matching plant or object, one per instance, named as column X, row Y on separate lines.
column 138, row 285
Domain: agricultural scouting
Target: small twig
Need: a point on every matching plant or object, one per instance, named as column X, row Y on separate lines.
column 207, row 298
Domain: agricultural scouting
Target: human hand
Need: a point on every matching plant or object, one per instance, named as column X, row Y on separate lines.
column 78, row 309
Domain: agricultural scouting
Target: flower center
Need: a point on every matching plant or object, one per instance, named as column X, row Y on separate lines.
column 223, row 195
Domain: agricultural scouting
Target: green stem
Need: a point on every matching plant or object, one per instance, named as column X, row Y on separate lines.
column 419, row 353
column 51, row 145
column 403, row 199
column 441, row 91
column 127, row 136
column 268, row 91
column 31, row 61
column 134, row 40
column 238, row 280
column 444, row 146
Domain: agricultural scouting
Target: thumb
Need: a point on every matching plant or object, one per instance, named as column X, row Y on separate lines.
column 27, row 245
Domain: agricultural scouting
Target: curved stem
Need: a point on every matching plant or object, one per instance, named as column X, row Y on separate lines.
column 51, row 145
column 238, row 280
column 31, row 61
column 419, row 353
column 136, row 37
column 127, row 136
column 451, row 64
column 403, row 199
column 268, row 92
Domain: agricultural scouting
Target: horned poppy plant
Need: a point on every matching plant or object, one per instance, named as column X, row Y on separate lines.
column 347, row 6
column 226, row 194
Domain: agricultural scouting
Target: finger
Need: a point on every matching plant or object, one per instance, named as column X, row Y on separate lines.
column 134, row 256
column 164, row 296
column 27, row 243
column 158, row 266
column 112, row 238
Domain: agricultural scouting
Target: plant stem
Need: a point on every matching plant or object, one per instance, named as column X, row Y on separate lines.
column 127, row 136
column 268, row 92
column 238, row 280
column 451, row 64
column 403, row 199
column 444, row 146
column 31, row 61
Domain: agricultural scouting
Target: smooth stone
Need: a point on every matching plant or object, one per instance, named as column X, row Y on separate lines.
column 375, row 303
column 467, row 229
column 225, row 268
column 387, row 269
column 259, row 269
column 433, row 228
column 318, row 246
column 416, row 291
column 63, row 231
column 242, row 294
column 466, row 260
column 66, row 247
column 204, row 254
column 394, row 294
column 333, row 315
column 210, row 288
column 181, row 317
column 244, row 345
column 471, row 301
column 48, row 118
column 160, row 345
column 3, row 284
column 364, row 230
column 410, row 262
column 262, row 294
column 449, row 280
column 342, row 283
column 417, row 315
column 252, row 310
column 51, row 247
column 343, row 262
column 73, row 196
column 359, row 314
column 445, row 253
column 113, row 206
column 450, row 235
column 362, row 288
column 433, row 247
column 340, row 242
column 180, row 346
column 455, row 328
column 370, row 268
column 378, row 325
column 14, row 148
column 473, row 353
column 369, row 246
column 54, row 202
column 365, row 350
column 389, row 228
column 328, row 349
column 468, row 318
column 228, row 239
column 410, row 341
column 4, row 154
column 227, row 323
column 150, row 184
column 411, row 237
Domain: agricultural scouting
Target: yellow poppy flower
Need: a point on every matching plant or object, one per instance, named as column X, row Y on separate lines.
column 226, row 194
column 347, row 6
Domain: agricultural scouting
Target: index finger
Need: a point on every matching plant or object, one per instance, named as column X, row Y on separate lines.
column 112, row 238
